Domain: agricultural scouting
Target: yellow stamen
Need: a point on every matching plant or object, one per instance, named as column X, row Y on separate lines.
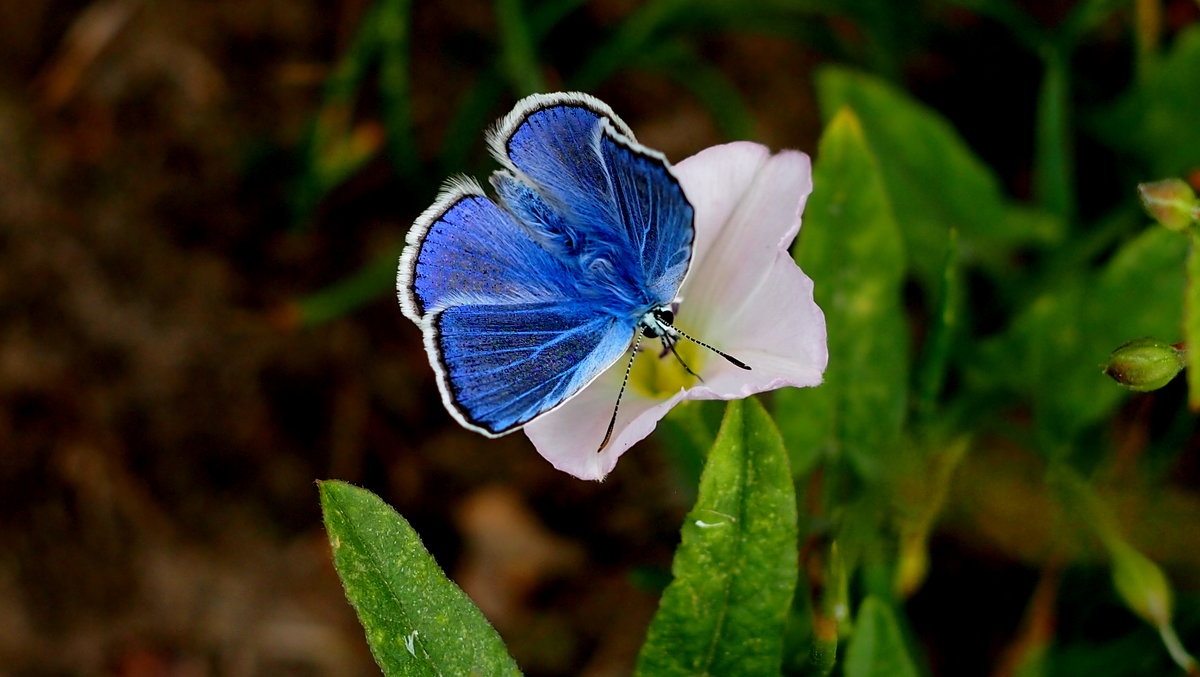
column 657, row 374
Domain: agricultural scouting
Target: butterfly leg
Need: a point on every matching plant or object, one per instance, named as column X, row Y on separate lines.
column 669, row 341
column 612, row 422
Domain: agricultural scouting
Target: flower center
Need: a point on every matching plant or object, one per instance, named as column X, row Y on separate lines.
column 658, row 374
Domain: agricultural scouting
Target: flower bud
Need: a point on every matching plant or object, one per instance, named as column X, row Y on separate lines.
column 1171, row 202
column 1141, row 584
column 1145, row 364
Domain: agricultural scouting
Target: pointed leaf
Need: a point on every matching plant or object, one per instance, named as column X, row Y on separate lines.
column 877, row 648
column 736, row 569
column 851, row 246
column 417, row 621
column 934, row 179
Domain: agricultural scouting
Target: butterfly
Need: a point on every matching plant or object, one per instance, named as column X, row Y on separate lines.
column 525, row 300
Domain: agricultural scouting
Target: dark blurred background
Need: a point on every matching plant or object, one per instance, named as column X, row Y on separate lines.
column 198, row 203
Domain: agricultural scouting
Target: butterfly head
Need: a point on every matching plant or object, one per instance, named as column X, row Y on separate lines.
column 657, row 322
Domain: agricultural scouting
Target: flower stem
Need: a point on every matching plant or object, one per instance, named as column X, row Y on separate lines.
column 1178, row 653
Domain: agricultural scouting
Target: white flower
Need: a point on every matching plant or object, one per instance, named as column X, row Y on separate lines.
column 744, row 294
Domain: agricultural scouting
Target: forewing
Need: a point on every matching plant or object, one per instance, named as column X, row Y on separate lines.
column 653, row 209
column 587, row 166
column 551, row 140
column 501, row 366
column 465, row 249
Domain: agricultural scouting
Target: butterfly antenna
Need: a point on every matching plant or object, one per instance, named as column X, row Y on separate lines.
column 670, row 341
column 612, row 422
column 732, row 360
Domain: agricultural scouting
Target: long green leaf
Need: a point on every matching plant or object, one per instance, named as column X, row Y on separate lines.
column 851, row 246
column 877, row 647
column 395, row 37
column 1053, row 169
column 935, row 181
column 517, row 49
column 417, row 621
column 330, row 152
column 349, row 293
column 1085, row 17
column 1029, row 31
column 735, row 571
column 945, row 325
column 632, row 36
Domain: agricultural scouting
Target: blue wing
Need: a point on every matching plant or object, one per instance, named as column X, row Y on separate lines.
column 466, row 250
column 523, row 305
column 655, row 213
column 500, row 366
column 608, row 188
column 551, row 139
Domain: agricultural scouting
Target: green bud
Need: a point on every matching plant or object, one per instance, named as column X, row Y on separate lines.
column 1145, row 364
column 1171, row 202
column 1141, row 584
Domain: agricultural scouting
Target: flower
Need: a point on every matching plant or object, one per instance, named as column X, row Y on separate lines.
column 744, row 294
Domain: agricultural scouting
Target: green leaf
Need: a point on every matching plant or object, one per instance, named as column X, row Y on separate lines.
column 638, row 29
column 417, row 622
column 689, row 430
column 877, row 648
column 851, row 246
column 736, row 569
column 1029, row 31
column 348, row 294
column 945, row 325
column 474, row 111
column 517, row 49
column 935, row 181
column 1156, row 121
column 335, row 147
column 1053, row 351
column 394, row 26
column 1085, row 17
column 1053, row 170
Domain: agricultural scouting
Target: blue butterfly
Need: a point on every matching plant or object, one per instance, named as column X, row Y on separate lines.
column 526, row 300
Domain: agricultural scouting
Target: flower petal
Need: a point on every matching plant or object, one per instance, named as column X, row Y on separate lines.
column 780, row 334
column 715, row 179
column 748, row 206
column 569, row 436
column 744, row 293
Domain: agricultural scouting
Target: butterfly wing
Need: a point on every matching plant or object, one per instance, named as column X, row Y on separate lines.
column 653, row 209
column 551, row 139
column 523, row 306
column 466, row 250
column 503, row 326
column 501, row 366
column 585, row 162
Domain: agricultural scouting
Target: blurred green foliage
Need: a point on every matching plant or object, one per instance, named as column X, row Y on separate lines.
column 967, row 327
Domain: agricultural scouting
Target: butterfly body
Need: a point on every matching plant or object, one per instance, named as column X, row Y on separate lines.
column 525, row 300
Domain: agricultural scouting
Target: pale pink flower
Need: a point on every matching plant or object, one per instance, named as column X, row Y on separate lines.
column 744, row 294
